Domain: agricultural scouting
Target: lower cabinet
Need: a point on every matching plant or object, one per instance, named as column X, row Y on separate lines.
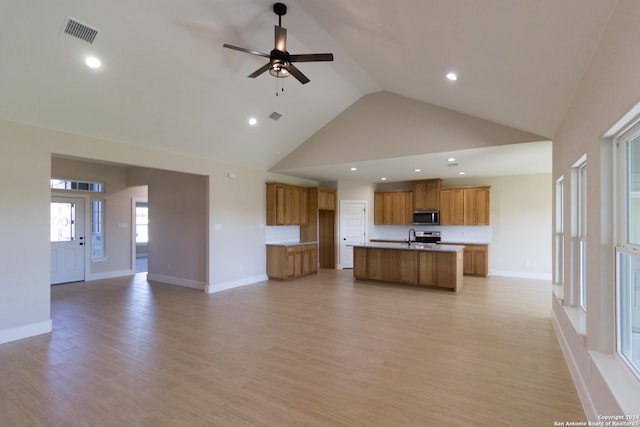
column 441, row 269
column 285, row 262
column 476, row 260
column 438, row 269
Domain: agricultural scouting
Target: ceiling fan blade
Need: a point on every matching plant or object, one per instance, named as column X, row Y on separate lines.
column 281, row 39
column 297, row 74
column 260, row 70
column 241, row 49
column 312, row 57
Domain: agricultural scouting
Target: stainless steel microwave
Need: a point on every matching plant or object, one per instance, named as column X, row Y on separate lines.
column 426, row 217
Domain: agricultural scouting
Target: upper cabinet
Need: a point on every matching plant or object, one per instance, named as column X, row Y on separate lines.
column 326, row 199
column 426, row 195
column 287, row 204
column 451, row 206
column 393, row 208
column 464, row 206
column 476, row 206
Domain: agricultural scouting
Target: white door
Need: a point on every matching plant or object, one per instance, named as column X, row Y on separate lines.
column 353, row 226
column 68, row 242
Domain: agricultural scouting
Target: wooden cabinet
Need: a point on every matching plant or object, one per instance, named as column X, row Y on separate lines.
column 389, row 265
column 441, row 269
column 393, row 208
column 326, row 199
column 426, row 195
column 289, row 261
column 451, row 207
column 476, row 260
column 464, row 206
column 287, row 204
column 476, row 206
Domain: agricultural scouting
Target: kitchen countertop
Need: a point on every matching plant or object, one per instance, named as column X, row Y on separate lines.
column 461, row 242
column 413, row 246
column 291, row 243
column 465, row 242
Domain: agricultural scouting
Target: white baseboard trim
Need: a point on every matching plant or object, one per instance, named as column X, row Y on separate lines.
column 26, row 331
column 578, row 380
column 520, row 274
column 235, row 283
column 176, row 281
column 109, row 275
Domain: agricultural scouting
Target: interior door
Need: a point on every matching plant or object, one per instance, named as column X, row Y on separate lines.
column 68, row 241
column 352, row 229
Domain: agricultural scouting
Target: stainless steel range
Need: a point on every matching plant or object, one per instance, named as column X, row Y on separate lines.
column 428, row 237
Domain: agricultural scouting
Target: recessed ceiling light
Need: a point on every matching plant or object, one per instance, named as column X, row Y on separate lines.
column 460, row 173
column 92, row 62
column 253, row 121
column 451, row 159
column 383, row 179
column 417, row 170
column 353, row 169
column 452, row 76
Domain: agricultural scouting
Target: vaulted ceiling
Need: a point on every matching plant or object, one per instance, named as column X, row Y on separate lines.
column 166, row 81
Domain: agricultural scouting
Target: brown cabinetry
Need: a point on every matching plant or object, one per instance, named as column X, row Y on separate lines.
column 476, row 260
column 438, row 269
column 451, row 207
column 476, row 206
column 320, row 226
column 326, row 199
column 289, row 261
column 287, row 204
column 393, row 208
column 464, row 206
column 441, row 269
column 426, row 195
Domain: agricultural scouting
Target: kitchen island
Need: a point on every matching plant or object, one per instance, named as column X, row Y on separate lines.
column 430, row 265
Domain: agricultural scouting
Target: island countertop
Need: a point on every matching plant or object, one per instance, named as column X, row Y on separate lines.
column 416, row 246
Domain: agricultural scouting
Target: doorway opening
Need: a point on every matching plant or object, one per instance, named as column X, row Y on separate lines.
column 141, row 235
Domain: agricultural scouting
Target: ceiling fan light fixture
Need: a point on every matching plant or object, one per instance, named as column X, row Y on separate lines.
column 279, row 70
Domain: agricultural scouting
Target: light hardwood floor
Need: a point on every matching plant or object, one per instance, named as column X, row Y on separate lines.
column 319, row 351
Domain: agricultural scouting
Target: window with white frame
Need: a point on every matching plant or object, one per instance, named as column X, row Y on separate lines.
column 628, row 248
column 97, row 228
column 559, row 233
column 579, row 232
column 582, row 231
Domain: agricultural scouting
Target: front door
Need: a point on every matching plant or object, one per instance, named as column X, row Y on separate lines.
column 68, row 242
column 352, row 229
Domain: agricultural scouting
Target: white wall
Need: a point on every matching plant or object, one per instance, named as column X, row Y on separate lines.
column 25, row 254
column 521, row 211
column 177, row 225
column 609, row 89
column 235, row 253
column 364, row 131
column 520, row 220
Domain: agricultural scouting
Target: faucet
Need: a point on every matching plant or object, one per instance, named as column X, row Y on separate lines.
column 414, row 235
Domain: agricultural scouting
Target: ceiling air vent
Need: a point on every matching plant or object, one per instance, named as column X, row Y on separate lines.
column 78, row 30
column 275, row 116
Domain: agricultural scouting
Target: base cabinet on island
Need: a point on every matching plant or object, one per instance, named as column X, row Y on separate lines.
column 437, row 269
column 285, row 262
column 433, row 268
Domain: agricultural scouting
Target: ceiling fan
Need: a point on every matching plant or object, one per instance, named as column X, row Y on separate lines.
column 280, row 63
